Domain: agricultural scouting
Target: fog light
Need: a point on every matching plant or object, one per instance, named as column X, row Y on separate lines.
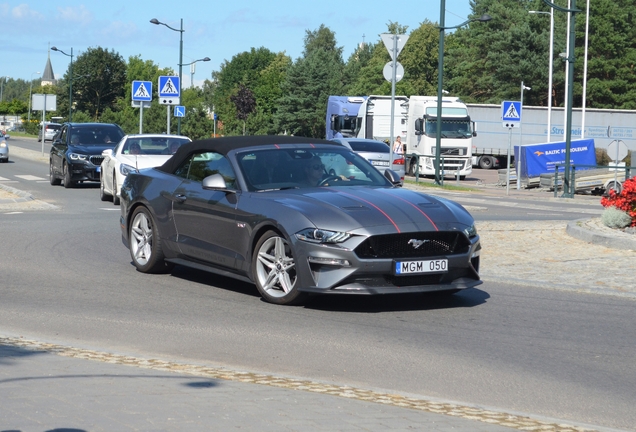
column 329, row 261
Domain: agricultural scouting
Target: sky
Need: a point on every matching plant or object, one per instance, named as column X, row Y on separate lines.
column 215, row 29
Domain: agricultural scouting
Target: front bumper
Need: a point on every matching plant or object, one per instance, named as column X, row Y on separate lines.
column 377, row 276
column 85, row 172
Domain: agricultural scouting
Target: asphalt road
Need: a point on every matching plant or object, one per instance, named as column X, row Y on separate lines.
column 66, row 278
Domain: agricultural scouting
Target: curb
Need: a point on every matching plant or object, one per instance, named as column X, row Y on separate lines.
column 581, row 230
column 23, row 196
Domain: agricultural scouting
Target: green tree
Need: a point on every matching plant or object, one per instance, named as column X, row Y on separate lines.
column 244, row 102
column 370, row 78
column 611, row 78
column 308, row 83
column 99, row 79
column 257, row 69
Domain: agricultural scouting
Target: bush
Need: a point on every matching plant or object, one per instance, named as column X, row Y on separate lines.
column 615, row 218
column 625, row 201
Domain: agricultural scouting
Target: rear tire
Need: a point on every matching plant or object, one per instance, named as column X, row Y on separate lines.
column 274, row 270
column 144, row 243
column 486, row 162
column 615, row 186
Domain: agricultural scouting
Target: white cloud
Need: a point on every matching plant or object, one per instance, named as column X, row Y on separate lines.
column 21, row 12
column 75, row 14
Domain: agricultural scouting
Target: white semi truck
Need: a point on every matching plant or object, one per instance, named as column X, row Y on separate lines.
column 490, row 146
column 456, row 141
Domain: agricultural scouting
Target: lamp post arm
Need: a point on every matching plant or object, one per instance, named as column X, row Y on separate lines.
column 560, row 8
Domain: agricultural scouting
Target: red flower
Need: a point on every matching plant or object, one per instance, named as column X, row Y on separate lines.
column 625, row 200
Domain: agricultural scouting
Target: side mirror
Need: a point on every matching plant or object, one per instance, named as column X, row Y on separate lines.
column 107, row 153
column 216, row 182
column 419, row 126
column 393, row 177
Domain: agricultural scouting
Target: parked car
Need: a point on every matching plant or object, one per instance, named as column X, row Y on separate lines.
column 76, row 153
column 376, row 152
column 4, row 150
column 50, row 129
column 242, row 207
column 132, row 153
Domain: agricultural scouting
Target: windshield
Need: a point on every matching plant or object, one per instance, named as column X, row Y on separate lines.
column 450, row 128
column 303, row 168
column 96, row 135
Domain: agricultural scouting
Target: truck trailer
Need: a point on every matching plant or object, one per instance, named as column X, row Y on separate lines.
column 490, row 146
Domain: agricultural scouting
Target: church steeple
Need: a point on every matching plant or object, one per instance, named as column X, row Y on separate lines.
column 48, row 78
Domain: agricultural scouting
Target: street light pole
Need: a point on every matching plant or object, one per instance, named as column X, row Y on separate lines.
column 70, row 83
column 180, row 30
column 550, row 68
column 568, row 188
column 4, row 79
column 30, row 96
column 440, row 81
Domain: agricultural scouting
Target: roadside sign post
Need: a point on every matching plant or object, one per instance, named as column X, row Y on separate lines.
column 169, row 91
column 511, row 117
column 394, row 44
column 141, row 97
column 44, row 102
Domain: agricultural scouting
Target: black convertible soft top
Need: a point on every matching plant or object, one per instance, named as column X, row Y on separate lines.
column 225, row 144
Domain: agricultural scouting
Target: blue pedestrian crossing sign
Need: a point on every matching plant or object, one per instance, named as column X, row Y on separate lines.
column 179, row 111
column 169, row 90
column 142, row 91
column 510, row 113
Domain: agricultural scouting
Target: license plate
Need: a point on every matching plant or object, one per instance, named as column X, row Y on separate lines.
column 380, row 163
column 98, row 169
column 424, row 266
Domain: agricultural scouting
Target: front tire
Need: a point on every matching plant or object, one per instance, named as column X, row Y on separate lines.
column 68, row 183
column 115, row 197
column 52, row 178
column 145, row 244
column 102, row 193
column 274, row 270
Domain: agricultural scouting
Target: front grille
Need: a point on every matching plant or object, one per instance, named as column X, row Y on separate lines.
column 449, row 163
column 96, row 160
column 398, row 246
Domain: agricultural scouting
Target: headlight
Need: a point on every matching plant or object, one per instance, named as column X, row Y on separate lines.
column 126, row 169
column 77, row 156
column 315, row 235
column 3, row 144
column 471, row 231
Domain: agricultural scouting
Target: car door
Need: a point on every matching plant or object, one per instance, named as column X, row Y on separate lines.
column 58, row 150
column 109, row 165
column 206, row 219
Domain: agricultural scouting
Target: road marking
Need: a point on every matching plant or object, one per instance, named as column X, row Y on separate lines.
column 29, row 177
column 463, row 411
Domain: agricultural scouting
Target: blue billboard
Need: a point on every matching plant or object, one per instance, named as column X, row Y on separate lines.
column 537, row 159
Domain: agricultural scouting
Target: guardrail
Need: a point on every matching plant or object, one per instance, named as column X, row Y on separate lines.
column 442, row 166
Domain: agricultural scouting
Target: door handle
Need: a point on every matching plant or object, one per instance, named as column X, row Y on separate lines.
column 180, row 198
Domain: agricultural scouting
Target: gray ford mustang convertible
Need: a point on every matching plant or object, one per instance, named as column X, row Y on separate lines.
column 295, row 216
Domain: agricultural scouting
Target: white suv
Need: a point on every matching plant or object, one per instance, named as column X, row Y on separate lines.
column 50, row 129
